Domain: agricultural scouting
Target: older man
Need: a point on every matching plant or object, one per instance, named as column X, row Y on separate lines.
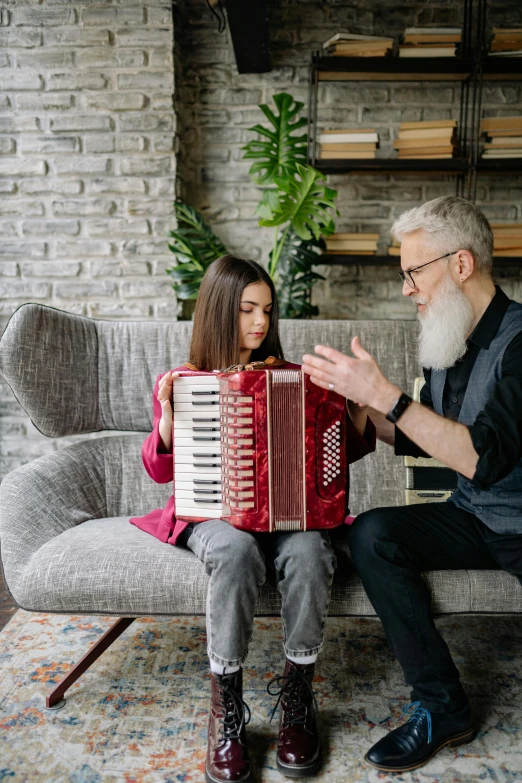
column 470, row 418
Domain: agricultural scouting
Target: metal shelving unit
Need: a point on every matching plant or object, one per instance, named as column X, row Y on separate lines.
column 470, row 70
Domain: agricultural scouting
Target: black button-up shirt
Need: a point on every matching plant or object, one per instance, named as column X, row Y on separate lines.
column 497, row 431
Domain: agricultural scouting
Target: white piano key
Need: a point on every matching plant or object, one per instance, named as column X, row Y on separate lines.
column 189, row 485
column 208, row 513
column 189, row 459
column 210, row 395
column 196, row 381
column 190, row 450
column 196, row 409
column 191, row 494
column 192, row 472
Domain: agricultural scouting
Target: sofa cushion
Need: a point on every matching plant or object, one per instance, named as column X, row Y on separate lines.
column 107, row 566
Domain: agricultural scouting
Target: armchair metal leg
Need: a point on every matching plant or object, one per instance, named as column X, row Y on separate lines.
column 88, row 659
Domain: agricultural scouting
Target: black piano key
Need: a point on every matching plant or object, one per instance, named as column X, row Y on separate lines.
column 205, row 402
column 207, row 420
column 207, row 500
column 196, row 454
column 207, row 464
column 201, row 437
column 206, row 429
column 208, row 491
column 195, row 393
column 206, row 481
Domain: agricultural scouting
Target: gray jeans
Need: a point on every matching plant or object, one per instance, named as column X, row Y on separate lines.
column 236, row 560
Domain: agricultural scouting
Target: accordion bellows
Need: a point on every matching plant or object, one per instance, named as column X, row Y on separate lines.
column 264, row 448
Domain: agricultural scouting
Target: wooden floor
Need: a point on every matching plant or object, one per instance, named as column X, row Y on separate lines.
column 7, row 607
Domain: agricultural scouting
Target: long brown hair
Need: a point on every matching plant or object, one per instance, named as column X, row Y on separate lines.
column 215, row 340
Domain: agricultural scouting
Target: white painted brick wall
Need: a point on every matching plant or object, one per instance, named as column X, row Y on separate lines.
column 86, row 155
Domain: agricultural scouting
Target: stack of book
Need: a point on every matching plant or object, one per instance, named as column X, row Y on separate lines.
column 348, row 144
column 354, row 244
column 507, row 239
column 504, row 137
column 430, row 139
column 506, row 42
column 430, row 42
column 351, row 45
column 394, row 249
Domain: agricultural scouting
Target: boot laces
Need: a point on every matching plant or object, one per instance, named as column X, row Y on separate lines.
column 292, row 689
column 420, row 714
column 233, row 720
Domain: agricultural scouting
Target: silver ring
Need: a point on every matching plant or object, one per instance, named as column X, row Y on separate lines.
column 331, row 386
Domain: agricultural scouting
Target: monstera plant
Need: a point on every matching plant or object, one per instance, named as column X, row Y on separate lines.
column 294, row 201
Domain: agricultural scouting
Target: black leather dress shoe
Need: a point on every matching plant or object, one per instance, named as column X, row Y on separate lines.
column 420, row 738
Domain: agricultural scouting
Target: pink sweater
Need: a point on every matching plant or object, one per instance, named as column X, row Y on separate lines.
column 159, row 464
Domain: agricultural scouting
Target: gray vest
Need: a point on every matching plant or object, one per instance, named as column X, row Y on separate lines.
column 500, row 506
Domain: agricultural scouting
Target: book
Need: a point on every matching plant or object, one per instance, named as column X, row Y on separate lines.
column 351, row 245
column 347, row 137
column 433, row 30
column 505, row 141
column 512, row 252
column 427, row 133
column 393, row 250
column 354, row 253
column 426, row 150
column 506, row 229
column 385, row 43
column 517, row 53
column 427, row 157
column 503, row 154
column 427, row 51
column 345, row 36
column 507, row 30
column 506, row 46
column 355, row 146
column 359, row 53
column 352, row 235
column 506, row 243
column 409, row 144
column 339, row 155
column 425, row 38
column 428, row 124
column 501, row 123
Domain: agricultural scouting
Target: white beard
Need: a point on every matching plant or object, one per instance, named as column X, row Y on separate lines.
column 444, row 326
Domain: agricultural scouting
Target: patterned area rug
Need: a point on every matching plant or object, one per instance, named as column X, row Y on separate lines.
column 139, row 714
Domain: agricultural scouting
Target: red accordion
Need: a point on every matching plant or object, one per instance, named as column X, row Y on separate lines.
column 263, row 448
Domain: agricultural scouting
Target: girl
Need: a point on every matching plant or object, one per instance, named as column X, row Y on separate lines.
column 236, row 321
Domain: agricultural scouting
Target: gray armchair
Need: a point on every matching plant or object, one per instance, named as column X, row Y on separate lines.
column 66, row 543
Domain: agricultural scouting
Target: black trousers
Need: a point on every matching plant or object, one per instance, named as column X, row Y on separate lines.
column 389, row 547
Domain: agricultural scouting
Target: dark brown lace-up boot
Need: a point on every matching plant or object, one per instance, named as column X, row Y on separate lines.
column 298, row 748
column 227, row 752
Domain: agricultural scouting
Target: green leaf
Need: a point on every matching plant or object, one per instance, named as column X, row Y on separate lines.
column 296, row 276
column 194, row 246
column 268, row 205
column 304, row 203
column 279, row 155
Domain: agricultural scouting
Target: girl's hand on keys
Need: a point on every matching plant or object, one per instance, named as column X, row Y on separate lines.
column 165, row 394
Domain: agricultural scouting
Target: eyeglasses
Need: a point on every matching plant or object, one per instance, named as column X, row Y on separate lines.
column 407, row 277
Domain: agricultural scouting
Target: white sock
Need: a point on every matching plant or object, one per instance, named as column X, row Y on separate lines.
column 217, row 668
column 305, row 660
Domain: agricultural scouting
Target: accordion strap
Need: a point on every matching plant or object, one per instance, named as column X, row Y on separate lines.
column 270, row 361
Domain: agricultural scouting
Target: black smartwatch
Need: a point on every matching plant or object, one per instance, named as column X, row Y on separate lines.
column 399, row 408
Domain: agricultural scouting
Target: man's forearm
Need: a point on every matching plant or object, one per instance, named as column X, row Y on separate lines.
column 385, row 429
column 446, row 440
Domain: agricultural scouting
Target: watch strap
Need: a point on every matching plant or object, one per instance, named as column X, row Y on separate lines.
column 399, row 407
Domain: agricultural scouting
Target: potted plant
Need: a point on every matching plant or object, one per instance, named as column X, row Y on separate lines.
column 294, row 201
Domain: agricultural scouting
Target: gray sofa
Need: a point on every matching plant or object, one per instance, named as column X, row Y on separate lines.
column 66, row 544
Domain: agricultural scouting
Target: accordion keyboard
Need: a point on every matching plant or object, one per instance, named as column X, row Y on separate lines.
column 197, row 447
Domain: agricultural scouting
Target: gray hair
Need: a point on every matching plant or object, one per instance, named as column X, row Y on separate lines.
column 450, row 223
